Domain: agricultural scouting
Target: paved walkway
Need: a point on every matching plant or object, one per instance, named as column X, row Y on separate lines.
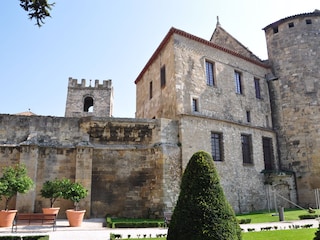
column 94, row 229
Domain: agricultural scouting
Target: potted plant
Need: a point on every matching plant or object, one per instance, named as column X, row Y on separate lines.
column 14, row 180
column 53, row 190
column 75, row 192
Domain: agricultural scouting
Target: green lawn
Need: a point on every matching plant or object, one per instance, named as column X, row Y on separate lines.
column 260, row 217
column 295, row 234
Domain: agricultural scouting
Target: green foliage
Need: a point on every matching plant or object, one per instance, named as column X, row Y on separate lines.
column 202, row 211
column 317, row 234
column 133, row 223
column 14, row 180
column 74, row 192
column 307, row 216
column 54, row 189
column 38, row 9
column 46, row 237
column 267, row 216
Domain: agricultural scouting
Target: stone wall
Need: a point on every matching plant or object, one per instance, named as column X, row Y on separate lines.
column 120, row 161
column 163, row 100
column 221, row 100
column 293, row 48
column 100, row 95
column 245, row 185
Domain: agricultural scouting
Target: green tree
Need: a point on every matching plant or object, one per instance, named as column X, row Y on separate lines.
column 74, row 192
column 14, row 180
column 202, row 211
column 37, row 9
column 54, row 189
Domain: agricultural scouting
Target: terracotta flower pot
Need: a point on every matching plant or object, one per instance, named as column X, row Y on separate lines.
column 75, row 217
column 7, row 217
column 51, row 210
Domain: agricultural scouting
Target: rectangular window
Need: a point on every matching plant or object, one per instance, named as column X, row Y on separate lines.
column 210, row 73
column 216, row 146
column 163, row 76
column 150, row 90
column 275, row 30
column 248, row 116
column 195, row 105
column 237, row 79
column 246, row 148
column 257, row 88
column 268, row 153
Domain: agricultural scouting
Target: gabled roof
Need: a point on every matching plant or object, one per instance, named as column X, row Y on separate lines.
column 222, row 38
column 173, row 31
column 29, row 113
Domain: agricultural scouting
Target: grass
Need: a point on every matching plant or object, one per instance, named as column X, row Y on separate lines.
column 294, row 234
column 260, row 217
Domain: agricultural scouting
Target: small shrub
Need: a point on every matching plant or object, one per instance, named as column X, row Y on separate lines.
column 35, row 238
column 10, row 238
column 115, row 236
column 301, row 217
column 244, row 221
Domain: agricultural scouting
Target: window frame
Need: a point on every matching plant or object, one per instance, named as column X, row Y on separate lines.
column 248, row 116
column 150, row 90
column 268, row 153
column 217, row 146
column 257, row 87
column 195, row 104
column 246, row 144
column 163, row 76
column 210, row 73
column 238, row 82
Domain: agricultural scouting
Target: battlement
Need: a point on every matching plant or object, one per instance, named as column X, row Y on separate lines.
column 73, row 83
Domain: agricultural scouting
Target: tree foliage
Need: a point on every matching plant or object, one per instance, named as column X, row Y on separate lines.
column 74, row 192
column 54, row 189
column 37, row 9
column 14, row 180
column 202, row 211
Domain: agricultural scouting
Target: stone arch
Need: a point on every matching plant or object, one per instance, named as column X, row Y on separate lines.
column 88, row 104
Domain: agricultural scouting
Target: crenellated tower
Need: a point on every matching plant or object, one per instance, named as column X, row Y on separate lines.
column 86, row 100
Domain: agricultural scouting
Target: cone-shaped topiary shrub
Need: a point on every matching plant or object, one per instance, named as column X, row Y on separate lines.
column 202, row 211
column 317, row 234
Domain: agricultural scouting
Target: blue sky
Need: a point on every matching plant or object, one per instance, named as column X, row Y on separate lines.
column 104, row 39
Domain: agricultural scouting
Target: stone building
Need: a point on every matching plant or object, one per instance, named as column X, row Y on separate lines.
column 293, row 49
column 218, row 92
column 259, row 119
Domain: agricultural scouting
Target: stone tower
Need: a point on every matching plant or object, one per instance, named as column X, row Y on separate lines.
column 294, row 50
column 89, row 100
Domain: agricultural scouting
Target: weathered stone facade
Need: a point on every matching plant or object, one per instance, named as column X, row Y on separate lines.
column 219, row 109
column 294, row 49
column 130, row 166
column 85, row 100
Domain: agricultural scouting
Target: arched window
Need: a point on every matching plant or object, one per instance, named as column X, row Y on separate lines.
column 88, row 104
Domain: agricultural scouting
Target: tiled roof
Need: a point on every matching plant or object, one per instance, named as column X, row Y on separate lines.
column 195, row 38
column 28, row 113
